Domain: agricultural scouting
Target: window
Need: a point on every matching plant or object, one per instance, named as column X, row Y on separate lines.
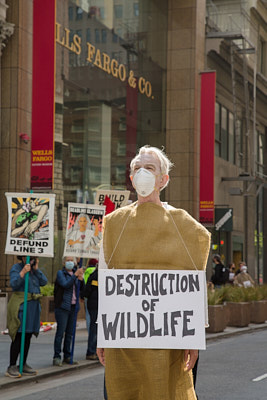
column 79, row 13
column 217, row 130
column 224, row 136
column 102, row 12
column 104, row 35
column 239, row 143
column 262, row 56
column 118, row 11
column 71, row 13
column 79, row 33
column 225, row 140
column 260, row 150
column 231, row 141
column 88, row 34
column 97, row 36
column 136, row 9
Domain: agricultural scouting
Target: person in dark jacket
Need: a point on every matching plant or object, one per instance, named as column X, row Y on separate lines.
column 15, row 311
column 65, row 302
column 91, row 293
column 218, row 278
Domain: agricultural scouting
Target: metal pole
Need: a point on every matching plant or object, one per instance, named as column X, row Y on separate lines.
column 24, row 318
column 75, row 316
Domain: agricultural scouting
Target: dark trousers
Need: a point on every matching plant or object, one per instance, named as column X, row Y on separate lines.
column 92, row 338
column 65, row 322
column 15, row 348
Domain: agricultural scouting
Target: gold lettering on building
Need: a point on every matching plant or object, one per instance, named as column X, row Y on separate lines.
column 102, row 60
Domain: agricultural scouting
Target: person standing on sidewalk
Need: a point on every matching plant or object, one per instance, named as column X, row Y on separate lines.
column 15, row 311
column 144, row 235
column 90, row 293
column 65, row 303
column 221, row 273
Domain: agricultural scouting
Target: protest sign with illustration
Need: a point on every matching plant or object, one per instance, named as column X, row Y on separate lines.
column 159, row 309
column 30, row 224
column 84, row 230
column 118, row 197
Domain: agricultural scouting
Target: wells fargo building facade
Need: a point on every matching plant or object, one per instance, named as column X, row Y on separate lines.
column 127, row 73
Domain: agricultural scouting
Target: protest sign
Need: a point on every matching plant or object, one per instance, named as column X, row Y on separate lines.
column 159, row 309
column 84, row 230
column 30, row 229
column 118, row 197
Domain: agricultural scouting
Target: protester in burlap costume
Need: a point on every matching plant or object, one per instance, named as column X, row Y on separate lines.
column 151, row 235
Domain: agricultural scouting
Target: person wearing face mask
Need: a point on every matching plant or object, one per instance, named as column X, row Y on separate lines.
column 65, row 302
column 15, row 311
column 144, row 235
column 243, row 278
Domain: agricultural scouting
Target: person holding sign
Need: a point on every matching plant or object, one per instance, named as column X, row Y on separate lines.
column 15, row 311
column 151, row 235
column 65, row 302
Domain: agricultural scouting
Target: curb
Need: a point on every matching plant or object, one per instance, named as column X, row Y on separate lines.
column 44, row 373
column 230, row 332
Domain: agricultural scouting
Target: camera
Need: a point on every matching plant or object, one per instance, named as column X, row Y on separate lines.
column 33, row 262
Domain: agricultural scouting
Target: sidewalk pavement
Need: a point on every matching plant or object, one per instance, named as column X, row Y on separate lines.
column 41, row 353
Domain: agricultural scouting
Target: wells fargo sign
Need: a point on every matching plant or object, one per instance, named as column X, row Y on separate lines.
column 102, row 60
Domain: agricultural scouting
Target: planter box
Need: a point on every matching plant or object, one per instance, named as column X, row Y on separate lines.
column 48, row 307
column 217, row 319
column 239, row 314
column 258, row 311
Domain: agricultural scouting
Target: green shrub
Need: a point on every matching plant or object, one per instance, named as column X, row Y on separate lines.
column 214, row 297
column 47, row 290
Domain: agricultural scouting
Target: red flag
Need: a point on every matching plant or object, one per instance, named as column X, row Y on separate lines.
column 110, row 206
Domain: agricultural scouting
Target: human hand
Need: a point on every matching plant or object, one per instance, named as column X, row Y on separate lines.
column 190, row 358
column 36, row 264
column 25, row 269
column 101, row 355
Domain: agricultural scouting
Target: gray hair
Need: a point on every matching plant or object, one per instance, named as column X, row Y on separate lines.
column 165, row 163
column 64, row 260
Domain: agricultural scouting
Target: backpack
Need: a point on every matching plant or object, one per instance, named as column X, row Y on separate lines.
column 225, row 274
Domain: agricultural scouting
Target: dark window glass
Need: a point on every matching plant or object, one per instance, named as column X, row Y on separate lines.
column 224, row 135
column 79, row 13
column 88, row 34
column 97, row 36
column 118, row 10
column 71, row 13
column 104, row 35
column 231, row 134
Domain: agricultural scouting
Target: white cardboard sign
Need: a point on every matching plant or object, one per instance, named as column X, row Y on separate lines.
column 30, row 229
column 159, row 309
column 118, row 197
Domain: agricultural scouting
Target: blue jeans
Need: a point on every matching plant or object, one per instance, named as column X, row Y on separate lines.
column 92, row 333
column 87, row 316
column 65, row 321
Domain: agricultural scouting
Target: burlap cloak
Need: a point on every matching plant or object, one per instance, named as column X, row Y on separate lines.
column 150, row 240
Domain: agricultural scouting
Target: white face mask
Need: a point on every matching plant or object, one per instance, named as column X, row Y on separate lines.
column 144, row 182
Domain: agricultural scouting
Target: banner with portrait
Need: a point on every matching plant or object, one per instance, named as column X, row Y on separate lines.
column 84, row 230
column 30, row 230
